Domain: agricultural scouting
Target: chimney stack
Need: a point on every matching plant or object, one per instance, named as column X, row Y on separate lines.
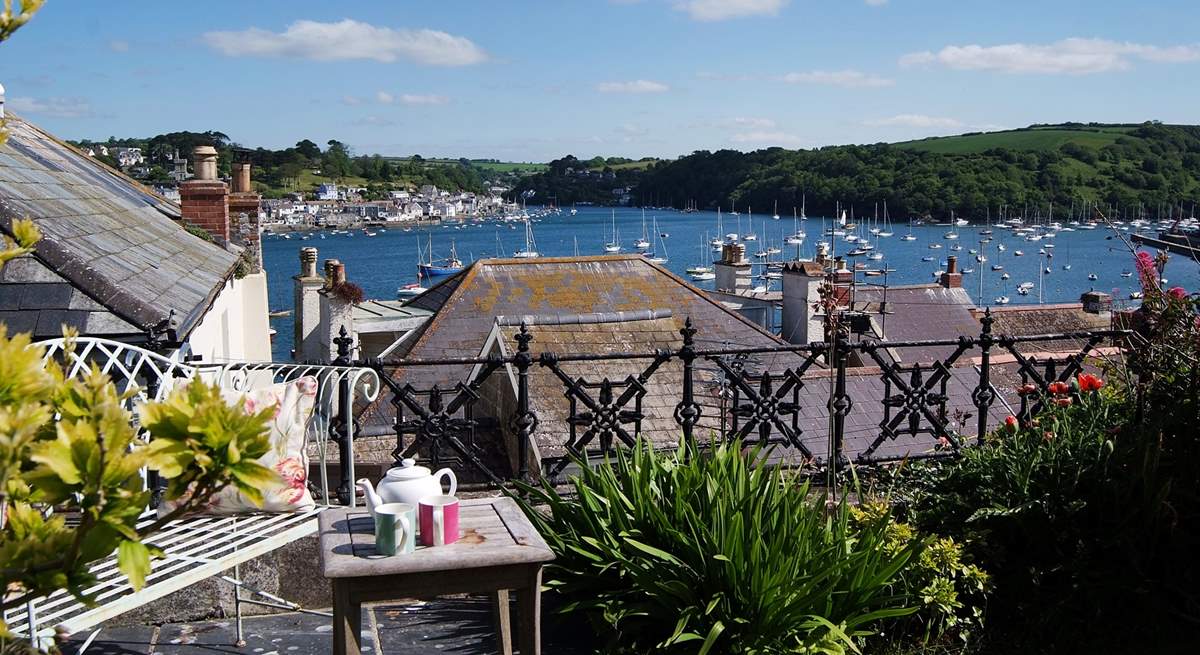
column 307, row 302
column 951, row 278
column 203, row 200
column 244, row 212
column 336, row 312
column 1096, row 302
column 733, row 271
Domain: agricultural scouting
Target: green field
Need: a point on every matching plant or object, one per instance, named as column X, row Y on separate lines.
column 629, row 166
column 497, row 166
column 1035, row 139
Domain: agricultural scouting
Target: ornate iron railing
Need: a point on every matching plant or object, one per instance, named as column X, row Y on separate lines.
column 806, row 399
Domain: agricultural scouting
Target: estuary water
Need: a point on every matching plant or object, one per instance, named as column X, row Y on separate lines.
column 382, row 263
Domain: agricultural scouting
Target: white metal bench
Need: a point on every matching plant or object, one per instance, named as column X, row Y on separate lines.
column 198, row 547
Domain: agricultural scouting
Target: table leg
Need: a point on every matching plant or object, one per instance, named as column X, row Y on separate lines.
column 347, row 621
column 529, row 608
column 501, row 617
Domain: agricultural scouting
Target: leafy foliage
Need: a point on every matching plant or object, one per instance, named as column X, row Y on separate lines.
column 70, row 444
column 697, row 552
column 1151, row 164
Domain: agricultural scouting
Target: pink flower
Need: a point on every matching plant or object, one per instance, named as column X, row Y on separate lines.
column 1177, row 293
column 291, row 469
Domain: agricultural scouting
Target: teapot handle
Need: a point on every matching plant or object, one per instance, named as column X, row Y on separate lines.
column 453, row 480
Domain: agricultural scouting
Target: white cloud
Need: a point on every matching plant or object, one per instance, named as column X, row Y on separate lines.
column 714, row 10
column 767, row 138
column 384, row 98
column 850, row 79
column 374, row 121
column 914, row 120
column 423, row 99
column 755, row 123
column 117, row 45
column 636, row 86
column 1073, row 56
column 877, row 3
column 351, row 100
column 347, row 40
column 52, row 107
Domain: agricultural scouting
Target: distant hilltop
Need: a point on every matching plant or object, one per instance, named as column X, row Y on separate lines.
column 1124, row 169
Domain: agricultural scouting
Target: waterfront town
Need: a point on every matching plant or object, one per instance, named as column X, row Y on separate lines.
column 931, row 395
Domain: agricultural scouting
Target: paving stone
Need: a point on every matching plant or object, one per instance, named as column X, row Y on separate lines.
column 122, row 640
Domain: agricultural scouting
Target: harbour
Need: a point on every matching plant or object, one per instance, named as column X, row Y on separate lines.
column 1021, row 263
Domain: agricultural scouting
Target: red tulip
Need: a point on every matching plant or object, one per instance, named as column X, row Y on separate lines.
column 1010, row 423
column 1026, row 389
column 1089, row 382
column 1064, row 401
column 1059, row 388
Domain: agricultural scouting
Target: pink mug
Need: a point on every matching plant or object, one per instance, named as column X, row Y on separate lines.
column 438, row 516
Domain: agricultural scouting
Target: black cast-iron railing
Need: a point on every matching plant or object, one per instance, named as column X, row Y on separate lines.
column 727, row 392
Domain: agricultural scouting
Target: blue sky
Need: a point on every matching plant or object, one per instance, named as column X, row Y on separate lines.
column 533, row 80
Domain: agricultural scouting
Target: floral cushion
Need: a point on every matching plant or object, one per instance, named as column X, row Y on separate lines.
column 293, row 402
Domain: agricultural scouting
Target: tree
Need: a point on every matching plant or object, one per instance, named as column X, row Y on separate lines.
column 336, row 161
column 309, row 149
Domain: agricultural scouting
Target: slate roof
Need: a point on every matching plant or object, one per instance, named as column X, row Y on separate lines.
column 466, row 305
column 547, row 397
column 118, row 246
column 1017, row 320
column 916, row 313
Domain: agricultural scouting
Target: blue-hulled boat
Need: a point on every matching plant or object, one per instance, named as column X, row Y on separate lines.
column 439, row 267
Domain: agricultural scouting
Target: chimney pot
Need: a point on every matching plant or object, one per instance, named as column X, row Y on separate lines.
column 308, row 262
column 952, row 264
column 241, row 178
column 205, row 162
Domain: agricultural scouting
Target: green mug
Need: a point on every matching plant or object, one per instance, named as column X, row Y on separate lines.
column 395, row 525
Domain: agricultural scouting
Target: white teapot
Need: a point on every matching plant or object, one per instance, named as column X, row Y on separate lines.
column 407, row 483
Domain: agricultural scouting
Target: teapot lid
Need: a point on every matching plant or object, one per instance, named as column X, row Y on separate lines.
column 408, row 470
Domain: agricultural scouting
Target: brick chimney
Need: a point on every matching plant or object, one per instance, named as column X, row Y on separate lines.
column 243, row 213
column 951, row 279
column 203, row 199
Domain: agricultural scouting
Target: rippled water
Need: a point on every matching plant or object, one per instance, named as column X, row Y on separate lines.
column 382, row 263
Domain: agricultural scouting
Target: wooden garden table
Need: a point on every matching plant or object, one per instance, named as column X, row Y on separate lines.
column 499, row 550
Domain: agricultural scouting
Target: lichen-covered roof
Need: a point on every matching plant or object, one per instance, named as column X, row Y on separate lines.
column 1018, row 320
column 107, row 235
column 466, row 305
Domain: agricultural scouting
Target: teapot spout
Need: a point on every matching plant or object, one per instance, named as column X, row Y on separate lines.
column 373, row 499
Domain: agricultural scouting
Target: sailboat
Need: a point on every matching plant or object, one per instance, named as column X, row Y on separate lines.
column 573, row 210
column 530, row 250
column 887, row 223
column 613, row 246
column 439, row 267
column 659, row 256
column 910, row 236
column 798, row 235
column 750, row 236
column 642, row 243
column 775, row 214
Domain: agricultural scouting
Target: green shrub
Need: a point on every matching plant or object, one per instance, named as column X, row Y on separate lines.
column 710, row 552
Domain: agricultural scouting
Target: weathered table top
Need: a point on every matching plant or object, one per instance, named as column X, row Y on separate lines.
column 495, row 532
